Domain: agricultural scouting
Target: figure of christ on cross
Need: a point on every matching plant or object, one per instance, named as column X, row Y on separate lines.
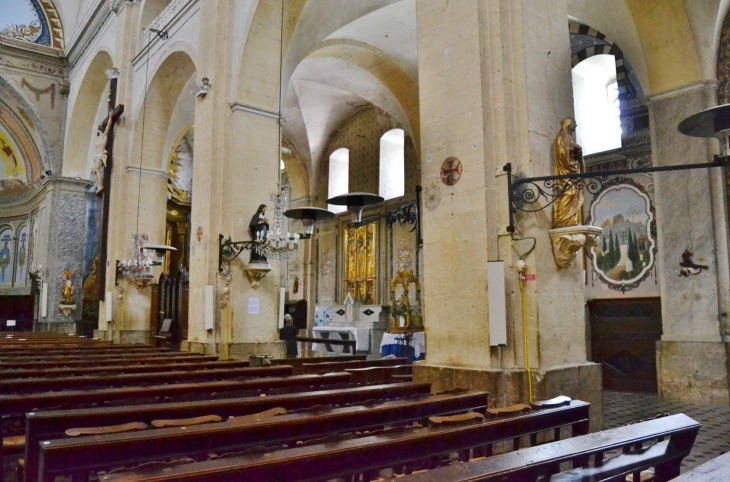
column 100, row 155
column 104, row 156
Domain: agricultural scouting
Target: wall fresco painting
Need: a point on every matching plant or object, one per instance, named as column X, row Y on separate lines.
column 7, row 251
column 626, row 250
column 23, row 259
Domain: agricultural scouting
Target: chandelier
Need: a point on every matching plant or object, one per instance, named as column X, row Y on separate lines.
column 145, row 256
column 276, row 245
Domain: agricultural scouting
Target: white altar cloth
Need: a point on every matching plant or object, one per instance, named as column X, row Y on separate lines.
column 360, row 335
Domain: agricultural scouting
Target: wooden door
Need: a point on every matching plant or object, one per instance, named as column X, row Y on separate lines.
column 624, row 335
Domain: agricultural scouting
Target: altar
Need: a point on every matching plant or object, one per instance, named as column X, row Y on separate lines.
column 367, row 331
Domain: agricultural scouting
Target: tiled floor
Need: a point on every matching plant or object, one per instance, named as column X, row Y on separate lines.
column 620, row 408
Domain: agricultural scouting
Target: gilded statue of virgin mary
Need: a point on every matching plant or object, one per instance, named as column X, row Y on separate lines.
column 568, row 160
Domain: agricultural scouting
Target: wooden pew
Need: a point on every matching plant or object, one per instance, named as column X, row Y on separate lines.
column 103, row 360
column 128, row 368
column 59, row 363
column 80, row 455
column 381, row 374
column 715, row 470
column 39, row 385
column 298, row 363
column 367, row 455
column 529, row 464
column 326, row 367
column 75, row 350
column 48, row 425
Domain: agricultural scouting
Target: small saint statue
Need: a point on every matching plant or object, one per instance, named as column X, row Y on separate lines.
column 349, row 308
column 258, row 229
column 100, row 154
column 68, row 288
column 567, row 209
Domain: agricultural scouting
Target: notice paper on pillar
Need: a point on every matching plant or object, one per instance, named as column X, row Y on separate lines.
column 253, row 306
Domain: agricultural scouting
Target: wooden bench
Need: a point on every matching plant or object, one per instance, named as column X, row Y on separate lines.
column 716, row 470
column 80, row 455
column 369, row 454
column 42, row 426
column 38, row 385
column 544, row 461
column 298, row 363
column 386, row 374
column 326, row 367
column 76, row 350
column 122, row 368
column 47, row 362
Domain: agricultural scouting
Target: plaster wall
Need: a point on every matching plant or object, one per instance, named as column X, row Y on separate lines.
column 691, row 356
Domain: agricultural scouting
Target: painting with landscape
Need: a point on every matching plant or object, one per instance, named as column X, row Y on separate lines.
column 626, row 250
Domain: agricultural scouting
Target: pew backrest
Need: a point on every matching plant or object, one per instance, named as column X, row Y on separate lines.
column 715, row 470
column 64, row 456
column 368, row 454
column 41, row 426
column 544, row 461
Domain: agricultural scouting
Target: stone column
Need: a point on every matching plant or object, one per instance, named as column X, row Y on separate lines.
column 495, row 82
column 692, row 356
column 67, row 225
column 236, row 168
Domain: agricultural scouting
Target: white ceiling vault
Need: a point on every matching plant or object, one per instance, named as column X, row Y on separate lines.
column 340, row 60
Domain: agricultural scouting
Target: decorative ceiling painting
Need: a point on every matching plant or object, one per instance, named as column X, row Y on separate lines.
column 626, row 251
column 34, row 21
column 13, row 173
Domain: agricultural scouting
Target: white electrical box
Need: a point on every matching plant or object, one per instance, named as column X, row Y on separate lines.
column 497, row 304
column 209, row 303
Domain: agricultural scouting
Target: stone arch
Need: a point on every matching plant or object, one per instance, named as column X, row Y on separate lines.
column 81, row 125
column 296, row 169
column 156, row 107
column 626, row 90
column 148, row 12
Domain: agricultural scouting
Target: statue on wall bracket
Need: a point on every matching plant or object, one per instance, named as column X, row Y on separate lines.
column 569, row 234
column 67, row 305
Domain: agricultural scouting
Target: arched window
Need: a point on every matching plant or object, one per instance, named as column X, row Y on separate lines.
column 595, row 96
column 339, row 177
column 392, row 164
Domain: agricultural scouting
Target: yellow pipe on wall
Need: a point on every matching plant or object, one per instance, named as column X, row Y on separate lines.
column 524, row 336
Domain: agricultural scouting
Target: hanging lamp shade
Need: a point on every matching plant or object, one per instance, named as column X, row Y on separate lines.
column 712, row 122
column 309, row 216
column 355, row 202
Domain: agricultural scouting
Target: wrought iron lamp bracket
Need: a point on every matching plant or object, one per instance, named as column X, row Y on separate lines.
column 407, row 216
column 525, row 194
column 229, row 250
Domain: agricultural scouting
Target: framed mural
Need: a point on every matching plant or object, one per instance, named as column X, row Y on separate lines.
column 626, row 251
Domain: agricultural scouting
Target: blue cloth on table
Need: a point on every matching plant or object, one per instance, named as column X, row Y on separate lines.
column 401, row 351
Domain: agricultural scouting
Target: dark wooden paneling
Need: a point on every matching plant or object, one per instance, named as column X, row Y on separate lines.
column 624, row 335
column 18, row 308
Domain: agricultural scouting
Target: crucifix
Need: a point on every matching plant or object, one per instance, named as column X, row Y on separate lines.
column 115, row 111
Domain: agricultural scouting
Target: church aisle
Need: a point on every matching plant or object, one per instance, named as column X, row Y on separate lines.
column 620, row 408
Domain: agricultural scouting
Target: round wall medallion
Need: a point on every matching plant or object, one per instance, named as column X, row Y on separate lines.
column 451, row 171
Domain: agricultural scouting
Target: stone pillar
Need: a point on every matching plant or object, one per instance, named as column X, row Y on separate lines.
column 495, row 82
column 67, row 225
column 692, row 356
column 236, row 168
